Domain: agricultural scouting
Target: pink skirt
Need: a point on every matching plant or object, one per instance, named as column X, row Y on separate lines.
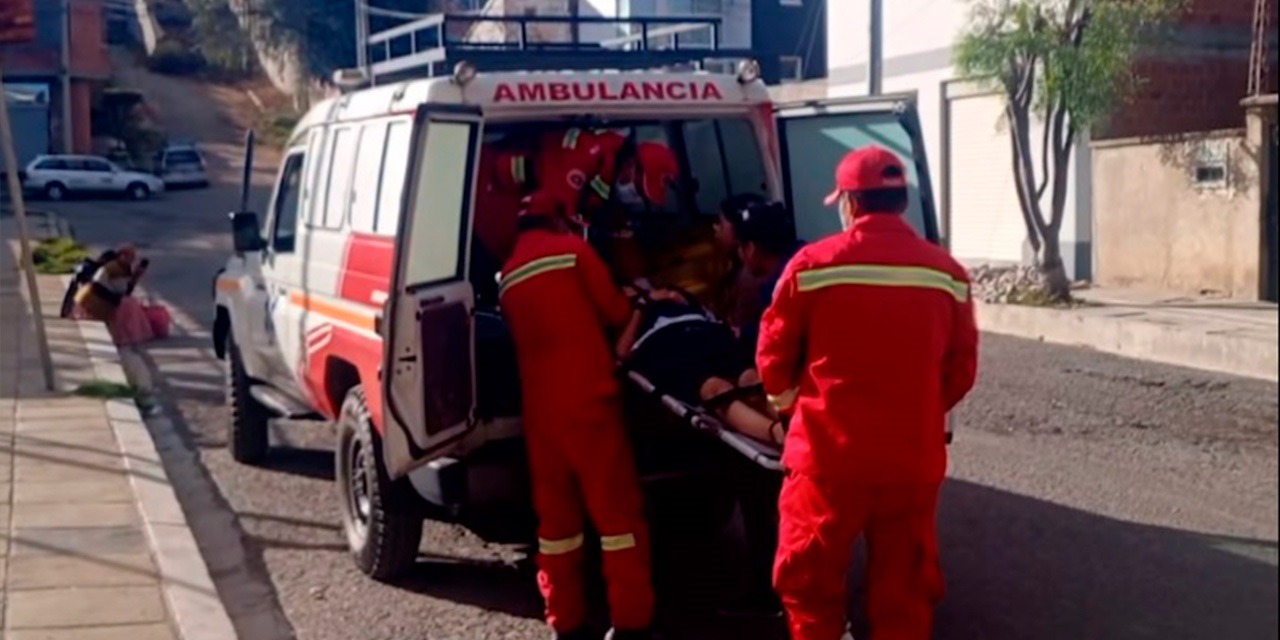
column 130, row 324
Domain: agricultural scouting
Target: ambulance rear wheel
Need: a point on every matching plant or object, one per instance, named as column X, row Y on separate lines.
column 379, row 516
column 247, row 433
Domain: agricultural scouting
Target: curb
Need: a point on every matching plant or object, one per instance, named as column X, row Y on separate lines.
column 198, row 612
column 1218, row 351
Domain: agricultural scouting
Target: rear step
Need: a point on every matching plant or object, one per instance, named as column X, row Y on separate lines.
column 281, row 405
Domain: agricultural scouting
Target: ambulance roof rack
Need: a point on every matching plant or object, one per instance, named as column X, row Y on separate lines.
column 433, row 44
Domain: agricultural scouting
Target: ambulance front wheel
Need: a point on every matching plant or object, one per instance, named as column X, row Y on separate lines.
column 380, row 517
column 247, row 432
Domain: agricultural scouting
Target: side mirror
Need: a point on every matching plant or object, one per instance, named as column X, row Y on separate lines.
column 246, row 232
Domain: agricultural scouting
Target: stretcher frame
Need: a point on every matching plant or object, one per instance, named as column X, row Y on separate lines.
column 763, row 454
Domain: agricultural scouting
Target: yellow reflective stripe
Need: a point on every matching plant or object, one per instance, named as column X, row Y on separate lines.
column 536, row 267
column 785, row 399
column 571, row 138
column 518, row 169
column 617, row 543
column 600, row 187
column 559, row 547
column 882, row 276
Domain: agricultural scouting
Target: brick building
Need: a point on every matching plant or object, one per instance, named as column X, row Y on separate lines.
column 51, row 106
column 1196, row 81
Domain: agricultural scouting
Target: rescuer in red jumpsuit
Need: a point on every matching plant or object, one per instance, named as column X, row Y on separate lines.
column 505, row 179
column 584, row 167
column 560, row 302
column 869, row 342
column 589, row 169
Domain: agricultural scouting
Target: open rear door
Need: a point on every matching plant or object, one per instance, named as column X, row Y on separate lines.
column 428, row 381
column 815, row 135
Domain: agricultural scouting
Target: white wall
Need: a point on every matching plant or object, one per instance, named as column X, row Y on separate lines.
column 917, row 40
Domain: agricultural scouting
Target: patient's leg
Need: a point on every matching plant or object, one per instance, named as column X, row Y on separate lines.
column 740, row 415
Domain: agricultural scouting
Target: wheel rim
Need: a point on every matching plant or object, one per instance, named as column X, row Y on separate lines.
column 359, row 499
column 55, row 193
column 139, row 193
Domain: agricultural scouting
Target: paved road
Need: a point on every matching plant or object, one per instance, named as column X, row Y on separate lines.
column 1091, row 496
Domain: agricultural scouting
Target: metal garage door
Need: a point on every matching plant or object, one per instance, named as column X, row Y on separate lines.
column 986, row 225
column 30, row 129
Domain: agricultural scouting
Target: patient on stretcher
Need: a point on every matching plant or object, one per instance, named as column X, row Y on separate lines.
column 688, row 354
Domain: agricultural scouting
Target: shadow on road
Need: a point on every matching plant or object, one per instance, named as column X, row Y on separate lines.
column 1017, row 567
column 316, row 464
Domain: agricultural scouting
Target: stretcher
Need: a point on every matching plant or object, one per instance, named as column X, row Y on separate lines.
column 763, row 454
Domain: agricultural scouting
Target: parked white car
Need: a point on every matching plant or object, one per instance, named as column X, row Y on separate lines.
column 57, row 176
column 181, row 164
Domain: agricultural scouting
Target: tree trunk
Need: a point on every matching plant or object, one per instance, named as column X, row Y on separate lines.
column 1052, row 268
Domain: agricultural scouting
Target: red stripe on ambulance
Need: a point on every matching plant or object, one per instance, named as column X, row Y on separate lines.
column 366, row 271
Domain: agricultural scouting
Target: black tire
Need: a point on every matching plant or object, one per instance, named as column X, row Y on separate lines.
column 138, row 191
column 248, row 430
column 382, row 518
column 55, row 191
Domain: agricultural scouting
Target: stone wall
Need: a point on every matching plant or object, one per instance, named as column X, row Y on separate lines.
column 1179, row 213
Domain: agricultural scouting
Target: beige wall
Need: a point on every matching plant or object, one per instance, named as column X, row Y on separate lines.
column 1156, row 228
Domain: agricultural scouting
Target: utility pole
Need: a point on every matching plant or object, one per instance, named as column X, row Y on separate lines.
column 68, row 143
column 875, row 63
column 362, row 36
column 24, row 237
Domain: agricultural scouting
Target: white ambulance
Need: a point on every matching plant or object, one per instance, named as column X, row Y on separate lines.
column 358, row 297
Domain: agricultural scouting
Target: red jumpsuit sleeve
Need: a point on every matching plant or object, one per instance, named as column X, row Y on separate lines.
column 960, row 368
column 613, row 306
column 780, row 349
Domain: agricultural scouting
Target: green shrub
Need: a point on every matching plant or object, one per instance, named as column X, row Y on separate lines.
column 275, row 127
column 58, row 256
column 108, row 390
column 172, row 57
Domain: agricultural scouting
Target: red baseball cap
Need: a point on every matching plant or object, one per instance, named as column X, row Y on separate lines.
column 541, row 203
column 659, row 165
column 871, row 167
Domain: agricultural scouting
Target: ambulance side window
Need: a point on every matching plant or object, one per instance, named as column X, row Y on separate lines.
column 434, row 251
column 813, row 148
column 337, row 194
column 364, row 197
column 725, row 159
column 395, row 163
column 285, row 215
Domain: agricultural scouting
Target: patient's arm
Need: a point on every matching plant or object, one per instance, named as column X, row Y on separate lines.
column 741, row 416
column 628, row 337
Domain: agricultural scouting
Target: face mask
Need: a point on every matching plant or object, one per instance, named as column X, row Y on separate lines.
column 847, row 214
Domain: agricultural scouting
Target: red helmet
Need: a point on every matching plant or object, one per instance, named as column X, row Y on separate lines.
column 659, row 167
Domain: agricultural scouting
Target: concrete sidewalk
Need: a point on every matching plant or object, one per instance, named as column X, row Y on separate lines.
column 95, row 545
column 1228, row 336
